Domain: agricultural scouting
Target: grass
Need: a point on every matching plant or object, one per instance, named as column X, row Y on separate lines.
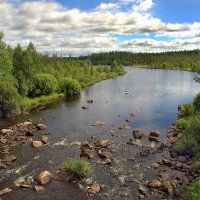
column 193, row 191
column 29, row 103
column 78, row 166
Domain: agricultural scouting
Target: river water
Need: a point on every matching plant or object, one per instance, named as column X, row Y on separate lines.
column 152, row 94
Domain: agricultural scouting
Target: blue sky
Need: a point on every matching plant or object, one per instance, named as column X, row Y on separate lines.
column 86, row 26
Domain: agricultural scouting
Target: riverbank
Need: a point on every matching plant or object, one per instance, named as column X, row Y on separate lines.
column 28, row 104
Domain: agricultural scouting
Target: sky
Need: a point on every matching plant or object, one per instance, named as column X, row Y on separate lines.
column 81, row 27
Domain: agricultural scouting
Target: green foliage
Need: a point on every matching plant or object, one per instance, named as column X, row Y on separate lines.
column 189, row 142
column 43, row 84
column 196, row 102
column 183, row 123
column 9, row 98
column 193, row 191
column 69, row 86
column 188, row 109
column 78, row 166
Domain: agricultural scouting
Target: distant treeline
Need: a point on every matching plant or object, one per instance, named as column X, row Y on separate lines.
column 184, row 60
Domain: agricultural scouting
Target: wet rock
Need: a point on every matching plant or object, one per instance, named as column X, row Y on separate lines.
column 10, row 158
column 155, row 133
column 166, row 186
column 103, row 143
column 154, row 184
column 145, row 153
column 99, row 123
column 5, row 191
column 106, row 155
column 93, row 189
column 38, row 188
column 124, row 126
column 90, row 101
column 77, row 143
column 88, row 153
column 44, row 177
column 154, row 139
column 142, row 190
column 29, row 133
column 138, row 133
column 3, row 141
column 37, row 144
column 41, row 126
column 44, row 139
column 7, row 131
column 2, row 165
column 84, row 107
column 105, row 162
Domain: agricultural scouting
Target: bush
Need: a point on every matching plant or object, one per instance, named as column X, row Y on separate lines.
column 78, row 166
column 182, row 123
column 43, row 84
column 188, row 110
column 193, row 191
column 69, row 86
column 196, row 102
column 9, row 98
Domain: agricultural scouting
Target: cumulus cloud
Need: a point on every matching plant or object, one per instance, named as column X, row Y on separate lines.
column 53, row 27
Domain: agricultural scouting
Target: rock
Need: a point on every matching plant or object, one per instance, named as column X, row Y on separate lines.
column 88, row 153
column 29, row 133
column 84, row 107
column 103, row 143
column 2, row 165
column 105, row 162
column 166, row 186
column 86, row 145
column 10, row 158
column 154, row 184
column 164, row 175
column 3, row 141
column 93, row 189
column 133, row 114
column 141, row 196
column 155, row 133
column 131, row 158
column 37, row 144
column 142, row 190
column 106, row 155
column 41, row 126
column 99, row 123
column 145, row 153
column 154, row 139
column 177, row 193
column 155, row 165
column 7, row 131
column 38, row 188
column 5, row 191
column 44, row 177
column 78, row 143
column 122, row 180
column 27, row 123
column 44, row 139
column 24, row 182
column 138, row 133
column 90, row 101
column 124, row 126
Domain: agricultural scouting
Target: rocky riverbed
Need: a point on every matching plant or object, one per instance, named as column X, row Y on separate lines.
column 119, row 172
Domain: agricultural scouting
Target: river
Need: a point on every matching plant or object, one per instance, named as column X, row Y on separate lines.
column 152, row 94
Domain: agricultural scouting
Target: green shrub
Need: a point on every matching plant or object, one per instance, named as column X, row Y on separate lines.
column 196, row 102
column 69, row 86
column 78, row 166
column 43, row 84
column 193, row 191
column 182, row 123
column 188, row 110
column 9, row 98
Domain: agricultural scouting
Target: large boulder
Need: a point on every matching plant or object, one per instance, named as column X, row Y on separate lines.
column 138, row 133
column 44, row 177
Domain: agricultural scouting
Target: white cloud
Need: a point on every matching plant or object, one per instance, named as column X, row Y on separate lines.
column 53, row 27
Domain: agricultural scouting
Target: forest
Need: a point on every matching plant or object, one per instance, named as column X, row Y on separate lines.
column 27, row 77
column 183, row 60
